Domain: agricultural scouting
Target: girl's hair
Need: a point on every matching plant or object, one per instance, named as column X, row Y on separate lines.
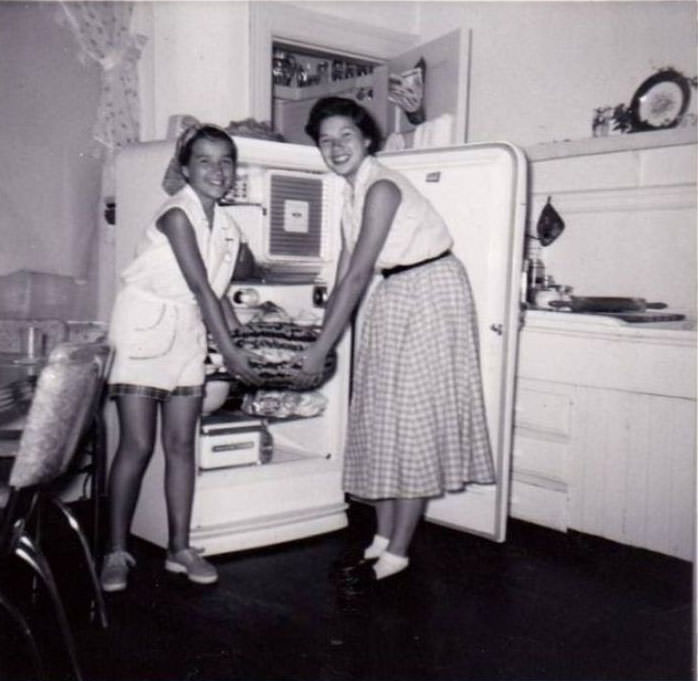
column 341, row 106
column 206, row 131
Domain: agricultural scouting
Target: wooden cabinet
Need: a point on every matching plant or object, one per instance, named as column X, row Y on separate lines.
column 543, row 420
column 605, row 425
column 605, row 417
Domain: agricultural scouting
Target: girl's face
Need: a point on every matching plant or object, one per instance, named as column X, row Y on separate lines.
column 342, row 145
column 211, row 170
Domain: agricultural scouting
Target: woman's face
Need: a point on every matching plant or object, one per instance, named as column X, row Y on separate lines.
column 342, row 145
column 211, row 170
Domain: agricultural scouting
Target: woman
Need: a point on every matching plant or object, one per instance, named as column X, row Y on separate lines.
column 417, row 425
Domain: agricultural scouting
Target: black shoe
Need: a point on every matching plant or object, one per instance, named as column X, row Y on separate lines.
column 352, row 558
column 362, row 581
column 359, row 581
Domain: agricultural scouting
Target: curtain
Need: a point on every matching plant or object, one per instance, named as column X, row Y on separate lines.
column 102, row 32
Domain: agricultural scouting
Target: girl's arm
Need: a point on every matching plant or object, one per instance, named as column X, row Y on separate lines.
column 231, row 319
column 180, row 233
column 381, row 203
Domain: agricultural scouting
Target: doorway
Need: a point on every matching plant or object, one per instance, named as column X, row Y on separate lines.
column 302, row 75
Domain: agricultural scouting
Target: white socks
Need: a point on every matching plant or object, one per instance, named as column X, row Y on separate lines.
column 387, row 563
column 390, row 564
column 378, row 545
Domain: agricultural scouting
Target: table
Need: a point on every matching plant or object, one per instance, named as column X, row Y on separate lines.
column 18, row 377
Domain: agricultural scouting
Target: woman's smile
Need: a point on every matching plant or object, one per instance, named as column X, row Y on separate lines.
column 342, row 145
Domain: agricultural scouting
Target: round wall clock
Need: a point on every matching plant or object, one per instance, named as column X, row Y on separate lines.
column 660, row 101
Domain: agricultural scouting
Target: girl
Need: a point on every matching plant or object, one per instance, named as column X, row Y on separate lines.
column 173, row 292
column 417, row 423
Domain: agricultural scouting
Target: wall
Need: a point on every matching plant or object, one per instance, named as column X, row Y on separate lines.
column 48, row 179
column 538, row 69
column 195, row 62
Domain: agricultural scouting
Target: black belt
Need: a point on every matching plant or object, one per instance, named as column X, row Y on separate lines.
column 401, row 268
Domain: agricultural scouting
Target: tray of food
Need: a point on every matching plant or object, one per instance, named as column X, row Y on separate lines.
column 274, row 346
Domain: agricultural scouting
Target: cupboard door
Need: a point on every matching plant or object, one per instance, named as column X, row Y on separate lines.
column 445, row 82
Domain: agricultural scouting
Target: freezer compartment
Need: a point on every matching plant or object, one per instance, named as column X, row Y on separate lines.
column 244, row 507
column 234, row 512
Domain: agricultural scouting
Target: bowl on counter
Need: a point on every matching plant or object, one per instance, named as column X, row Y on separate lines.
column 216, row 391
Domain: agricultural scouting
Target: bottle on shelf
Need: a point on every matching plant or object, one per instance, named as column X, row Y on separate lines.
column 536, row 278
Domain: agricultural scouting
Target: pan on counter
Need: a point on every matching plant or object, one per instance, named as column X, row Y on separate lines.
column 606, row 304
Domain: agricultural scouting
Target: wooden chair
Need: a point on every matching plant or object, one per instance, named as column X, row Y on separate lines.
column 67, row 394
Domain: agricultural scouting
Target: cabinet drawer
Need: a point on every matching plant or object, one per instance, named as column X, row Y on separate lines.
column 541, row 457
column 539, row 408
column 539, row 505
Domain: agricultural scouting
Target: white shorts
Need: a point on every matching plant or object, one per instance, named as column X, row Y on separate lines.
column 159, row 345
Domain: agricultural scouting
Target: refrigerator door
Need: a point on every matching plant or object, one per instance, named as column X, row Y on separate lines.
column 480, row 189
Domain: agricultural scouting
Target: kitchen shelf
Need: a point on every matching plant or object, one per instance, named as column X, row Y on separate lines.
column 322, row 89
column 611, row 143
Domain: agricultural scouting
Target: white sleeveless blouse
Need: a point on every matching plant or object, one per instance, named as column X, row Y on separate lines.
column 418, row 232
column 155, row 268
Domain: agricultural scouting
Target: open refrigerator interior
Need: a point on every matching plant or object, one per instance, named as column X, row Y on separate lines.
column 289, row 208
column 260, row 480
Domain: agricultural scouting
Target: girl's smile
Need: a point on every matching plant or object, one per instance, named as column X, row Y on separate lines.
column 211, row 170
column 342, row 145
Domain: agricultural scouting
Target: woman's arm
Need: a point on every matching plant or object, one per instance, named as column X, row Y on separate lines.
column 342, row 266
column 381, row 203
column 180, row 233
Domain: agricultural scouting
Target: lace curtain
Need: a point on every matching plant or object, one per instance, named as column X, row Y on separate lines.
column 102, row 31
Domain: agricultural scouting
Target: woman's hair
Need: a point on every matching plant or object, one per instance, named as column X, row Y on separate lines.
column 341, row 106
column 206, row 131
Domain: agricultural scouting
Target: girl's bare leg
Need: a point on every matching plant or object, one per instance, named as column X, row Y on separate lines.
column 179, row 419
column 137, row 426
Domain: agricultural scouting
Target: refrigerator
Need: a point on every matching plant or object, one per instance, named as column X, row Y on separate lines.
column 288, row 206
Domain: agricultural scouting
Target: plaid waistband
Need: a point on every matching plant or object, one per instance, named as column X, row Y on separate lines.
column 118, row 389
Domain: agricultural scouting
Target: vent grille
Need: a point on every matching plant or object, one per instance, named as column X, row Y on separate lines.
column 295, row 217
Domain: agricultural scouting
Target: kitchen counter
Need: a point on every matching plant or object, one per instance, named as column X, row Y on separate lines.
column 560, row 320
column 605, row 428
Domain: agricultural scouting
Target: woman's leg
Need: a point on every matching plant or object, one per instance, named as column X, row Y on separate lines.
column 407, row 515
column 385, row 516
column 179, row 418
column 137, row 427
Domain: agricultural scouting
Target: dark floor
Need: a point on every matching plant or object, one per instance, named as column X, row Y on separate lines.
column 543, row 605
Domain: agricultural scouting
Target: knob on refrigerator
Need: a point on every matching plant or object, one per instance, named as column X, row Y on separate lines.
column 320, row 295
column 247, row 297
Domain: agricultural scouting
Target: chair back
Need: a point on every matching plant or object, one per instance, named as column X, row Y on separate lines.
column 67, row 393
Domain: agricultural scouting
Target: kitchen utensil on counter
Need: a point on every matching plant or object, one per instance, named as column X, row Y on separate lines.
column 606, row 304
column 645, row 317
column 552, row 295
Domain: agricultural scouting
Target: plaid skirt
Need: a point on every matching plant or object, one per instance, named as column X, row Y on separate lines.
column 417, row 424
